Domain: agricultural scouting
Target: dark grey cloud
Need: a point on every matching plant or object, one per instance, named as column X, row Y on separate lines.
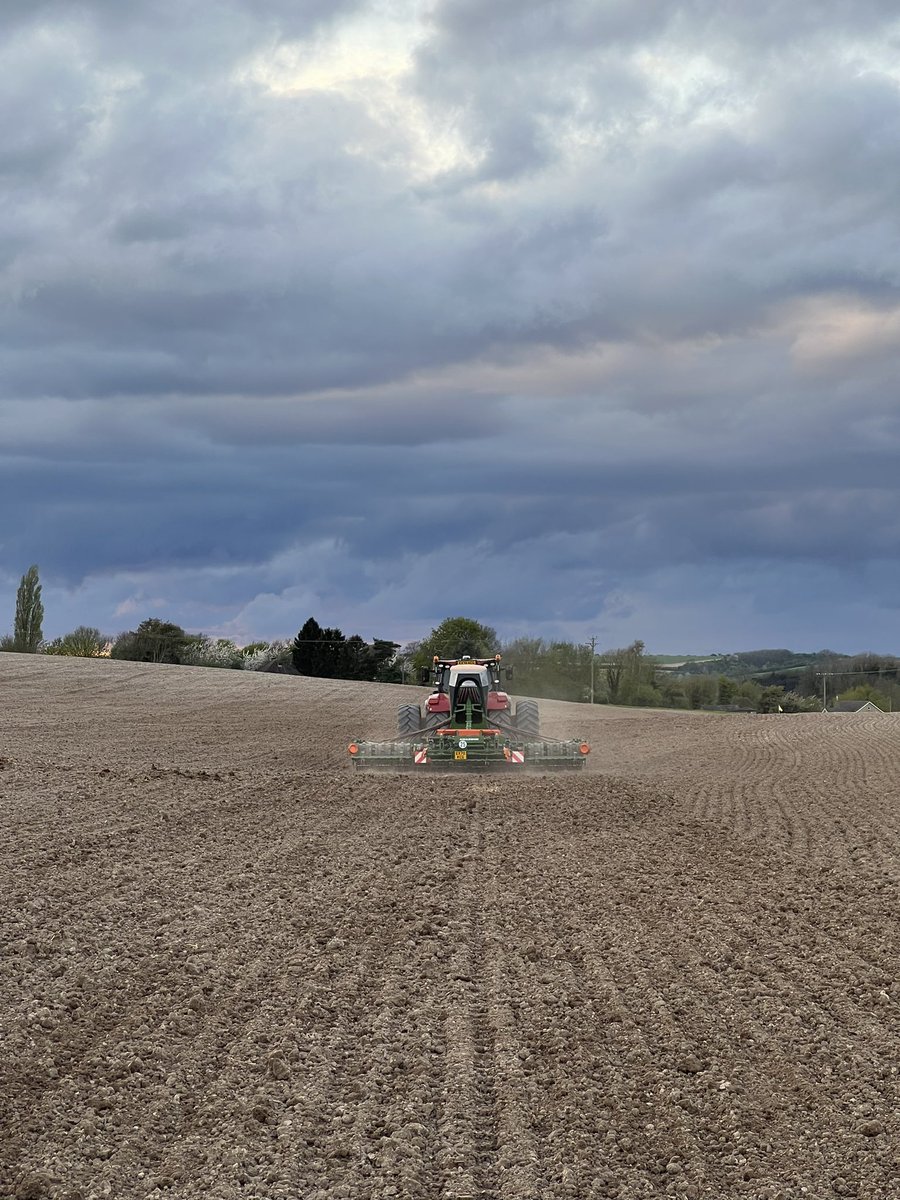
column 167, row 35
column 581, row 318
column 499, row 31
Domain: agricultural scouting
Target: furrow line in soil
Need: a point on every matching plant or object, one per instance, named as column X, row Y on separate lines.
column 470, row 1129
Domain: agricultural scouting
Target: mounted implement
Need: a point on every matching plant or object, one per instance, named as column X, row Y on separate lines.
column 468, row 724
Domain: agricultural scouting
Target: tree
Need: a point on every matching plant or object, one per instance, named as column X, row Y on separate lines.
column 770, row 700
column 368, row 660
column 354, row 658
column 388, row 668
column 318, row 652
column 673, row 693
column 630, row 679
column 865, row 691
column 83, row 642
column 700, row 690
column 267, row 656
column 748, row 693
column 327, row 654
column 27, row 631
column 614, row 667
column 405, row 662
column 639, row 678
column 205, row 652
column 454, row 637
column 557, row 670
column 153, row 641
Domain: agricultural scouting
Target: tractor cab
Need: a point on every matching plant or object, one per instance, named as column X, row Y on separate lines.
column 467, row 690
column 444, row 666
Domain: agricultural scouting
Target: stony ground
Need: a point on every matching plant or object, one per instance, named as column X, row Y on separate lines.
column 231, row 968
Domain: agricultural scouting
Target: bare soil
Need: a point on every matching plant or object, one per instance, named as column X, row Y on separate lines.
column 232, row 968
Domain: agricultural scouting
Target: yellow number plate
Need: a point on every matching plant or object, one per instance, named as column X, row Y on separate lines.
column 460, row 755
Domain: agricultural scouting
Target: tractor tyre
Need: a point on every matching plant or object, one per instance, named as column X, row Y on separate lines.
column 528, row 718
column 409, row 719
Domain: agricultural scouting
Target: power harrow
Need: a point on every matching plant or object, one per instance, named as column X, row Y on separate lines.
column 468, row 724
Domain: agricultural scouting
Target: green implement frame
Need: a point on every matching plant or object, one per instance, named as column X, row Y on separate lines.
column 455, row 749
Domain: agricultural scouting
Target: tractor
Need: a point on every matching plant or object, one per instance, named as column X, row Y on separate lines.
column 468, row 723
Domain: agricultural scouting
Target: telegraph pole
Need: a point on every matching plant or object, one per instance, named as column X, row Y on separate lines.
column 593, row 645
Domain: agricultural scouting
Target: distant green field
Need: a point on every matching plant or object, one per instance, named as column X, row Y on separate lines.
column 680, row 660
column 746, row 664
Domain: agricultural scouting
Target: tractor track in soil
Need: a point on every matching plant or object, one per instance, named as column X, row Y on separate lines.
column 233, row 969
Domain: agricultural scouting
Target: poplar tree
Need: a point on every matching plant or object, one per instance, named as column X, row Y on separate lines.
column 28, row 632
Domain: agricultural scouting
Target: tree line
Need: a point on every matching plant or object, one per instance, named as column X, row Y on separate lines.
column 557, row 670
column 317, row 651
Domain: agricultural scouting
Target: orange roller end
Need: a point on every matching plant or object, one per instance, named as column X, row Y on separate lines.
column 584, row 748
column 353, row 748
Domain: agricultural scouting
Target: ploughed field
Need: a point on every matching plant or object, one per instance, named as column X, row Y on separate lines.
column 232, row 968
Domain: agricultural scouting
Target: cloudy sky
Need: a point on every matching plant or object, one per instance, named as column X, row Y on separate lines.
column 575, row 316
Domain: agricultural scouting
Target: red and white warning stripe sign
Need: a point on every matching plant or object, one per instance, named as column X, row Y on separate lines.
column 517, row 756
column 420, row 756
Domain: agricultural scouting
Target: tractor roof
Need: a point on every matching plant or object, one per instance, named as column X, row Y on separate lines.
column 466, row 661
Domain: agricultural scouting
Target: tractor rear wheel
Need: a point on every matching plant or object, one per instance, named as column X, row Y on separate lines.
column 528, row 718
column 409, row 719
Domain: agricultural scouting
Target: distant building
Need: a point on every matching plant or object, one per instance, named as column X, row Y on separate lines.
column 853, row 706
